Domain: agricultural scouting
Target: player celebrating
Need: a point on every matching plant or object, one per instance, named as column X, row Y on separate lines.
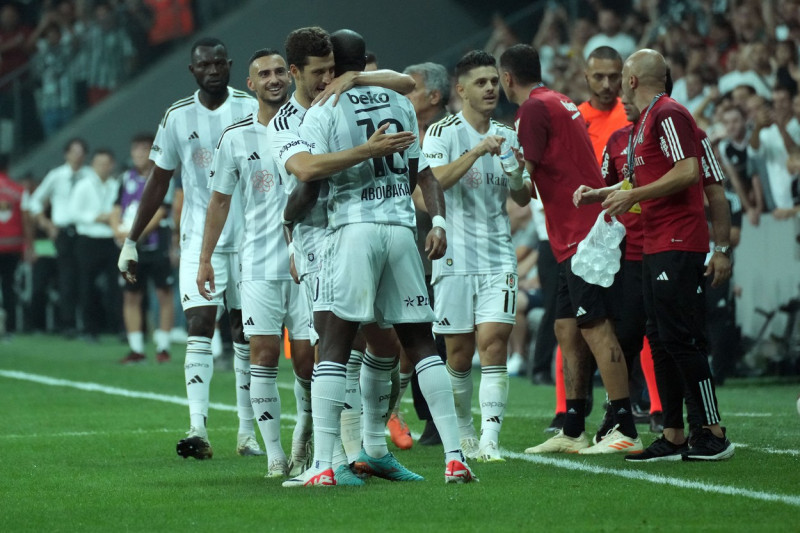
column 187, row 136
column 371, row 271
column 475, row 283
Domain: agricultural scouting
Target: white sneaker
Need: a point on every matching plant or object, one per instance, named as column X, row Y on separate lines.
column 312, row 477
column 561, row 443
column 470, row 447
column 302, row 455
column 278, row 468
column 614, row 442
column 490, row 453
column 246, row 444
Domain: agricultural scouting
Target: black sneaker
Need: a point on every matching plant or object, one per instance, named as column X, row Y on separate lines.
column 660, row 450
column 430, row 435
column 708, row 447
column 606, row 425
column 557, row 423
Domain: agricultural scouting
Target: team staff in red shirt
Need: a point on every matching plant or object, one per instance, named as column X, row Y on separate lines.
column 559, row 157
column 14, row 238
column 664, row 155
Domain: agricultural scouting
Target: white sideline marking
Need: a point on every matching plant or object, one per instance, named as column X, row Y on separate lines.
column 536, row 459
column 656, row 478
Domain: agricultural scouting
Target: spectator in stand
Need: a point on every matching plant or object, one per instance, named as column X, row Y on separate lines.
column 14, row 242
column 53, row 69
column 173, row 20
column 138, row 19
column 14, row 40
column 787, row 69
column 744, row 73
column 610, row 35
column 550, row 40
column 111, row 54
column 92, row 201
column 732, row 151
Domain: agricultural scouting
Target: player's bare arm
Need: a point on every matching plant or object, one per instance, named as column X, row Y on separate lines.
column 311, row 167
column 719, row 266
column 152, row 199
column 216, row 214
column 585, row 195
column 449, row 174
column 388, row 79
column 301, row 201
column 682, row 175
column 432, row 193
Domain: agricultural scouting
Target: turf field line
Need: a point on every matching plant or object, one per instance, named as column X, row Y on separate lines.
column 116, row 391
column 768, row 449
column 656, row 478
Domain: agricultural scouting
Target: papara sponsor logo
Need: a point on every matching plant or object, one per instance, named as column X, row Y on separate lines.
column 385, row 191
column 292, row 144
column 369, row 98
column 263, row 400
column 433, row 155
column 193, row 365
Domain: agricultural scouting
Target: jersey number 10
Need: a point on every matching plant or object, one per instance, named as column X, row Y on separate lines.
column 381, row 164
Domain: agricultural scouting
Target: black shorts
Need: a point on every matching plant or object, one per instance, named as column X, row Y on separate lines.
column 586, row 302
column 153, row 266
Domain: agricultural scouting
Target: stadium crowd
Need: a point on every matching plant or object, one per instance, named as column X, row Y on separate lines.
column 732, row 66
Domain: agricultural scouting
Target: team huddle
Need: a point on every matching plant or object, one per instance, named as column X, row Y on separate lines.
column 300, row 212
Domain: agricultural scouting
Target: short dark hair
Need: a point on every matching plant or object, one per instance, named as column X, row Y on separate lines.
column 371, row 57
column 262, row 53
column 79, row 140
column 474, row 59
column 604, row 52
column 144, row 137
column 522, row 61
column 210, row 42
column 349, row 51
column 104, row 151
column 305, row 42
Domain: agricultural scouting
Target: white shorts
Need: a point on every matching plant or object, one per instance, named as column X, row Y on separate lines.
column 269, row 305
column 463, row 301
column 373, row 273
column 307, row 241
column 226, row 279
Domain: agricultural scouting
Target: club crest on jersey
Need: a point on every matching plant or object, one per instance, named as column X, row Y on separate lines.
column 202, row 157
column 262, row 181
column 664, row 147
column 511, row 281
column 473, row 178
column 449, row 262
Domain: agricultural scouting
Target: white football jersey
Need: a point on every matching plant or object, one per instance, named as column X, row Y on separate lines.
column 243, row 157
column 187, row 136
column 284, row 141
column 478, row 229
column 376, row 190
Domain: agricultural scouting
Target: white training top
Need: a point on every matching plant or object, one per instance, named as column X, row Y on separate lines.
column 56, row 188
column 188, row 135
column 244, row 157
column 284, row 141
column 375, row 190
column 478, row 229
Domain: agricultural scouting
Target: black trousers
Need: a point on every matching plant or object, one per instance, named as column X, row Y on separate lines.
column 723, row 336
column 8, row 266
column 45, row 277
column 98, row 285
column 544, row 350
column 674, row 299
column 632, row 325
column 66, row 252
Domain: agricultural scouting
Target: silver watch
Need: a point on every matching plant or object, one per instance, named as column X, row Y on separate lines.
column 723, row 250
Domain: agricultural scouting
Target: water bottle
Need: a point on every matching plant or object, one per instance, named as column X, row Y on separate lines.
column 509, row 161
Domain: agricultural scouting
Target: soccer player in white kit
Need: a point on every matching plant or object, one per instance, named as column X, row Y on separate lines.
column 475, row 283
column 371, row 272
column 187, row 136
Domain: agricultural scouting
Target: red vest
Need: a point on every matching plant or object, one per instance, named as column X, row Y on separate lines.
column 11, row 229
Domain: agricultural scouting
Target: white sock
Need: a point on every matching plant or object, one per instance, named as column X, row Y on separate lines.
column 327, row 402
column 351, row 415
column 161, row 339
column 216, row 343
column 338, row 458
column 438, row 392
column 493, row 395
column 405, row 379
column 302, row 398
column 462, row 397
column 198, row 368
column 241, row 370
column 136, row 341
column 375, row 388
column 267, row 405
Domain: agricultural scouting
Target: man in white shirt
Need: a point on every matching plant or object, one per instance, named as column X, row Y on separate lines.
column 475, row 283
column 371, row 274
column 187, row 137
column 91, row 203
column 55, row 189
column 610, row 35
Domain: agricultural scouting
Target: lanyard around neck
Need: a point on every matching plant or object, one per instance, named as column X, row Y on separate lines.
column 638, row 137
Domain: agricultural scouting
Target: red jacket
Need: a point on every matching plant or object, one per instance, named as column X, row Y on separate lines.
column 12, row 237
